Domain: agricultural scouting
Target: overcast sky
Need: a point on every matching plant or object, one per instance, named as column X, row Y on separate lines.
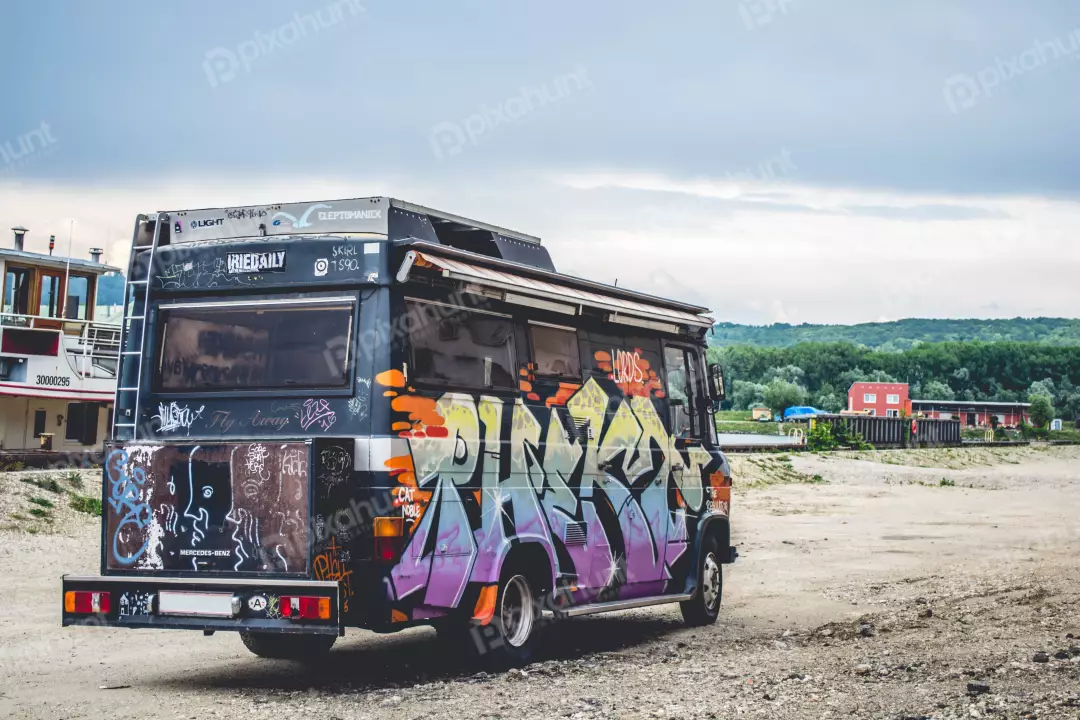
column 777, row 160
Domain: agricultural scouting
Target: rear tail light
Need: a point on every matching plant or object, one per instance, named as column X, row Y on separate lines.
column 82, row 602
column 389, row 538
column 305, row 607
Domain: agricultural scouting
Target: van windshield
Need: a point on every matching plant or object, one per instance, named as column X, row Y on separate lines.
column 255, row 346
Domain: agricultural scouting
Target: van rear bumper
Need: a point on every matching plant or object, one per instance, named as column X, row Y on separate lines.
column 239, row 604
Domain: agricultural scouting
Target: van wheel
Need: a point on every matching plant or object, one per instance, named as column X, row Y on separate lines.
column 511, row 638
column 288, row 647
column 704, row 607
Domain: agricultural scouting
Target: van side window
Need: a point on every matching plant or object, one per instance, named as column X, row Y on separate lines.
column 675, row 378
column 555, row 351
column 682, row 376
column 458, row 347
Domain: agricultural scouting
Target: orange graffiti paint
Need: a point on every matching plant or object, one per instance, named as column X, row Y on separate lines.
column 402, row 467
column 328, row 566
column 391, row 378
column 398, row 616
column 401, row 426
column 421, row 409
column 564, row 393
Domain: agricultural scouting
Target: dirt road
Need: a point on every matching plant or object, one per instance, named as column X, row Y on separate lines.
column 868, row 587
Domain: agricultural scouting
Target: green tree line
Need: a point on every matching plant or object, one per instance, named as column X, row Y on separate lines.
column 820, row 374
column 903, row 334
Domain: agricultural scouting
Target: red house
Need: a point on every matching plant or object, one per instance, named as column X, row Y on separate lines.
column 888, row 399
column 975, row 413
column 880, row 399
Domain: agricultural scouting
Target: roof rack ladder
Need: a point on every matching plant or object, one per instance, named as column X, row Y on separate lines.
column 132, row 339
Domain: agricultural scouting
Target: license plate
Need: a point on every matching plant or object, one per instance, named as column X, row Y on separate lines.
column 198, row 604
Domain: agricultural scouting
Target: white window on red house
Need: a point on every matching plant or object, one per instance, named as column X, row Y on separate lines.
column 892, row 413
column 871, row 412
column 892, row 399
column 869, row 397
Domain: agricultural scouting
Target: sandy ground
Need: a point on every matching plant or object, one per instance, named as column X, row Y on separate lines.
column 870, row 591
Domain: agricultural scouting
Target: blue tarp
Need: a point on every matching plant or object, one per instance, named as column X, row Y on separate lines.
column 801, row 411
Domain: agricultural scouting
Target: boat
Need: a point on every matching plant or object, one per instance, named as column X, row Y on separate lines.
column 57, row 361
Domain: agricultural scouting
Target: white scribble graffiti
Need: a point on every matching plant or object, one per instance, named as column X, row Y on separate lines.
column 294, row 463
column 255, row 461
column 173, row 416
column 197, row 274
column 336, row 464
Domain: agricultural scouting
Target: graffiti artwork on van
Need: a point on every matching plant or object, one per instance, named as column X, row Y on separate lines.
column 197, row 274
column 589, row 474
column 208, row 508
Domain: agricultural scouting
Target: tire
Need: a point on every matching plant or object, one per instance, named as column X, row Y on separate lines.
column 704, row 607
column 510, row 640
column 288, row 647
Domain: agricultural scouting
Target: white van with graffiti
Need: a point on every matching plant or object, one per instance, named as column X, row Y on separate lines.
column 393, row 416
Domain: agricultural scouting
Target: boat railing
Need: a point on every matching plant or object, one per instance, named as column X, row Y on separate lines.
column 90, row 345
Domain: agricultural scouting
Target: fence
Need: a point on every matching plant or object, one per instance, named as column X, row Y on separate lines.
column 892, row 431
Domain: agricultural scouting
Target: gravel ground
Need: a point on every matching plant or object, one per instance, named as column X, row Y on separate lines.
column 873, row 590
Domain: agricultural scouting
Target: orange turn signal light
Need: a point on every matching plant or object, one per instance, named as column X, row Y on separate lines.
column 389, row 526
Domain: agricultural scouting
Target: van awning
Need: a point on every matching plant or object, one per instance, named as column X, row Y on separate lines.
column 502, row 282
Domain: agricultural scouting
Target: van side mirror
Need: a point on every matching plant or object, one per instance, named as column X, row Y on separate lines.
column 716, row 384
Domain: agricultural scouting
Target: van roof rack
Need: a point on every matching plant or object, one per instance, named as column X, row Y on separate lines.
column 367, row 217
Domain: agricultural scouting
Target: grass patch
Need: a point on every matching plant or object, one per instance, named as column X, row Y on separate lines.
column 946, row 482
column 49, row 484
column 734, row 415
column 763, row 470
column 18, row 516
column 74, row 479
column 88, row 505
column 40, row 513
column 42, row 502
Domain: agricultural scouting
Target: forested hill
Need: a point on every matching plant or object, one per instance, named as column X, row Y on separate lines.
column 902, row 334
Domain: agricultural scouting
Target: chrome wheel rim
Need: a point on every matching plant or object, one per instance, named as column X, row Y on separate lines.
column 710, row 582
column 516, row 611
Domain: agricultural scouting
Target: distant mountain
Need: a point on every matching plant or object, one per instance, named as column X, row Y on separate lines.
column 902, row 334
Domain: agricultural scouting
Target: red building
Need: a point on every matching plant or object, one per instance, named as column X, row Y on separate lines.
column 888, row 399
column 880, row 399
column 973, row 413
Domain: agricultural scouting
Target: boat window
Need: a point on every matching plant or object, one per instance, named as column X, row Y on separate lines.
column 50, row 295
column 555, row 351
column 17, row 291
column 255, row 347
column 458, row 347
column 78, row 297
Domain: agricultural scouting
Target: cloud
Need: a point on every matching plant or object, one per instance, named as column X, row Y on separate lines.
column 753, row 251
